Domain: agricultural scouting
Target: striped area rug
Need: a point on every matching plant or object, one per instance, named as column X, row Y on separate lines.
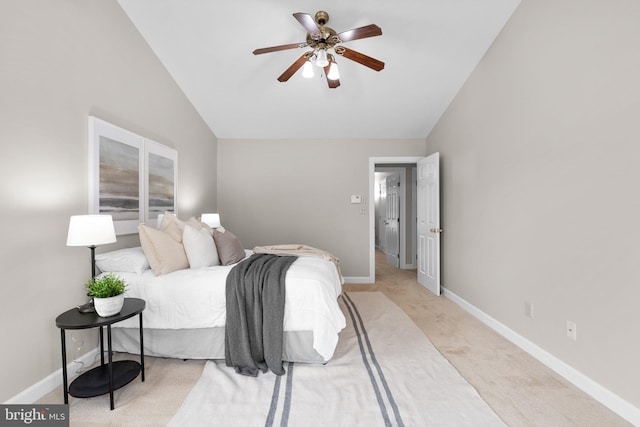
column 385, row 372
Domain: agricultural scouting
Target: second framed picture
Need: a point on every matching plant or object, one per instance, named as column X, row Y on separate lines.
column 161, row 180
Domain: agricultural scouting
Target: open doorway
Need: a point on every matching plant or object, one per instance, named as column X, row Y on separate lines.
column 395, row 214
column 407, row 196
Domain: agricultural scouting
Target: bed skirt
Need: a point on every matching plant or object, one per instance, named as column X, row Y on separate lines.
column 206, row 343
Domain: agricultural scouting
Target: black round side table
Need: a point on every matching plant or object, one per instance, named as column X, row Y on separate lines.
column 110, row 376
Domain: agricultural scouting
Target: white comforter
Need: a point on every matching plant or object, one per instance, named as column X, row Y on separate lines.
column 195, row 298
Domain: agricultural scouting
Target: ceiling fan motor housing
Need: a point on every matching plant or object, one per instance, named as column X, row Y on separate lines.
column 327, row 38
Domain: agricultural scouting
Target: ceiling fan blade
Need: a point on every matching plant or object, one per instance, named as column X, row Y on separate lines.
column 360, row 33
column 361, row 58
column 293, row 68
column 308, row 23
column 277, row 48
column 332, row 83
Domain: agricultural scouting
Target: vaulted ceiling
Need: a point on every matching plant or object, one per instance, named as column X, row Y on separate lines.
column 429, row 47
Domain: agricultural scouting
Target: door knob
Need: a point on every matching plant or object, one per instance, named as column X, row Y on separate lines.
column 436, row 230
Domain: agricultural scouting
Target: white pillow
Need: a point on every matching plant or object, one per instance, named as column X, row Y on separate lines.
column 200, row 247
column 130, row 260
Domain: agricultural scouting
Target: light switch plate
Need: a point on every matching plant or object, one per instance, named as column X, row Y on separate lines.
column 356, row 199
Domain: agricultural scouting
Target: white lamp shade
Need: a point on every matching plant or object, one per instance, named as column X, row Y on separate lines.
column 211, row 219
column 307, row 70
column 90, row 230
column 334, row 74
column 321, row 58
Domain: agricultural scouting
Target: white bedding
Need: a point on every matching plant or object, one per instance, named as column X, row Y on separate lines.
column 195, row 298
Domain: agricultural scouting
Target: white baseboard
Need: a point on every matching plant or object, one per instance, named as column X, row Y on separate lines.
column 609, row 399
column 48, row 384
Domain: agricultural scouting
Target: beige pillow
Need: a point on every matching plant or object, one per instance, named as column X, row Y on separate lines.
column 172, row 225
column 173, row 230
column 170, row 217
column 230, row 249
column 164, row 253
column 198, row 225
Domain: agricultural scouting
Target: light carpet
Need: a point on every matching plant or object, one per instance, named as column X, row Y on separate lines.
column 385, row 372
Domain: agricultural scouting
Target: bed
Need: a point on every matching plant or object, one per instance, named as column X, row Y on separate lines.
column 185, row 311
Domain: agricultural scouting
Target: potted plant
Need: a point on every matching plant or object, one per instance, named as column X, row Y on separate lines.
column 108, row 294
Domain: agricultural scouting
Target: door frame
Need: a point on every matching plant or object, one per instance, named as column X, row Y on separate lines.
column 373, row 161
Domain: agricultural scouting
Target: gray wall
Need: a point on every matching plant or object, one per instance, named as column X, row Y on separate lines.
column 540, row 183
column 298, row 191
column 61, row 61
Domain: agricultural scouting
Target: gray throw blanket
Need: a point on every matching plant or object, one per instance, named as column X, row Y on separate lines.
column 255, row 313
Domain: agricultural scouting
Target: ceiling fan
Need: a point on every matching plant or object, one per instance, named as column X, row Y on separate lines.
column 322, row 40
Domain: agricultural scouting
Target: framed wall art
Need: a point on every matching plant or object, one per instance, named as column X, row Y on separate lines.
column 130, row 178
column 161, row 177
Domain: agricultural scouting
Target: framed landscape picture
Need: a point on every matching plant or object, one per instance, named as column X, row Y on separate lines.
column 131, row 178
column 116, row 180
column 161, row 180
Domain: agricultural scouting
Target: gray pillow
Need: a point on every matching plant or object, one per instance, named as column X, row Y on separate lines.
column 230, row 249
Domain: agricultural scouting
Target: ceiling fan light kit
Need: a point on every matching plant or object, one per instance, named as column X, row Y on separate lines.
column 321, row 58
column 307, row 70
column 333, row 74
column 322, row 40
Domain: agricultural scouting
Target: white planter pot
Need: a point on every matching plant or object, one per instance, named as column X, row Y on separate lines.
column 111, row 306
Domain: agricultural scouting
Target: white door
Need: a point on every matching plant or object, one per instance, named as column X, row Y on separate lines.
column 428, row 213
column 392, row 224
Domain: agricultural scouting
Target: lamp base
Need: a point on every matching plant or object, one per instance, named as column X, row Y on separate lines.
column 87, row 308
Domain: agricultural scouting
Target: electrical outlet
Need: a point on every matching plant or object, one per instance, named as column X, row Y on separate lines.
column 528, row 310
column 572, row 330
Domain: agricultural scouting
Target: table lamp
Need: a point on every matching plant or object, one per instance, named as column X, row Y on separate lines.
column 91, row 231
column 211, row 219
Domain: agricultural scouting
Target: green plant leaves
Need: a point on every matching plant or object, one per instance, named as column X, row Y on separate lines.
column 106, row 286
